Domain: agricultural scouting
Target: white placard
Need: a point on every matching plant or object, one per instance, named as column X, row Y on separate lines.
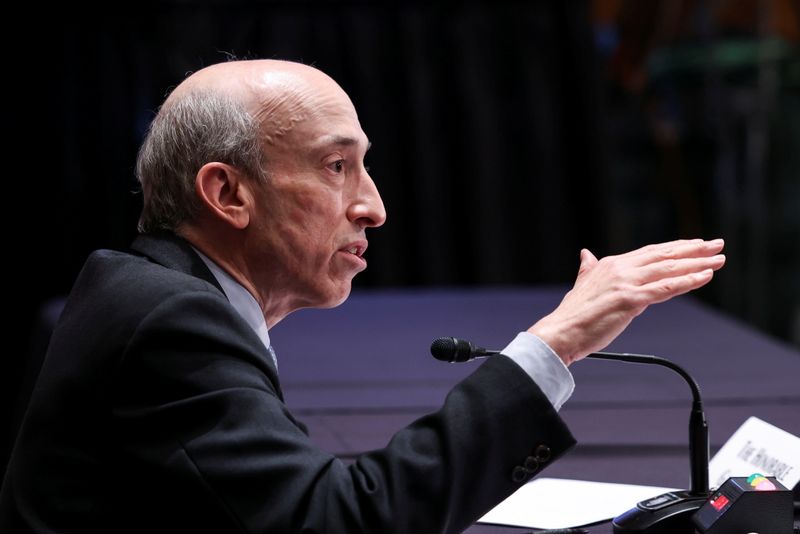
column 757, row 447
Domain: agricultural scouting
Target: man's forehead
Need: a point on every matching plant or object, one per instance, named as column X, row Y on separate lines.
column 311, row 116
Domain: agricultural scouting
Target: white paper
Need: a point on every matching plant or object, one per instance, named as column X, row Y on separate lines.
column 757, row 447
column 562, row 503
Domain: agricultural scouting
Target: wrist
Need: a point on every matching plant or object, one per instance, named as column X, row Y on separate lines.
column 553, row 337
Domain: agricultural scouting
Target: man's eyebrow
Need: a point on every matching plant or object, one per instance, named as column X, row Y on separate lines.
column 340, row 140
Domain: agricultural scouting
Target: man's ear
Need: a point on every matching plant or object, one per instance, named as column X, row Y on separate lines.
column 225, row 192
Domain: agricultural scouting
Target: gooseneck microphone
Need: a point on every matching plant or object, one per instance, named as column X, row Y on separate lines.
column 669, row 513
column 698, row 427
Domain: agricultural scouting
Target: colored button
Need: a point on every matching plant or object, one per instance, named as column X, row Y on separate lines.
column 765, row 485
column 720, row 502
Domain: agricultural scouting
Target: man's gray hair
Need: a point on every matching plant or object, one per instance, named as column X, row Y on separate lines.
column 188, row 132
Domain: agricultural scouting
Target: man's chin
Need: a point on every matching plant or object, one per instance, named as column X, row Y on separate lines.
column 341, row 298
column 335, row 297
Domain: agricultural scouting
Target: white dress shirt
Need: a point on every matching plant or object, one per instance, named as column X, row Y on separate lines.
column 543, row 365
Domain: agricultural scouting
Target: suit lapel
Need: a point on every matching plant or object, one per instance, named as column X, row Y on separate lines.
column 173, row 252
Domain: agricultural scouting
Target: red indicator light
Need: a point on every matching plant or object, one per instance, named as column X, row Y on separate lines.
column 720, row 502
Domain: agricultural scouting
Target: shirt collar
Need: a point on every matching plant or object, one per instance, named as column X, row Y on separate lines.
column 240, row 298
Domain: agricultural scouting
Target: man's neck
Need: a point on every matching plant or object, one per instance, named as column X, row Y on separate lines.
column 273, row 306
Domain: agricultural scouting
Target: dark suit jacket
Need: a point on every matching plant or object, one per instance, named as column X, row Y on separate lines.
column 159, row 409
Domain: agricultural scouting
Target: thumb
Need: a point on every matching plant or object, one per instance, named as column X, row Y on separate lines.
column 588, row 260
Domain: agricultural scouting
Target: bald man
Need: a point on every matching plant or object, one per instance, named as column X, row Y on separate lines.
column 159, row 407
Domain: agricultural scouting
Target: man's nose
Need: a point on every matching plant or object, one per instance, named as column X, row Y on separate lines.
column 367, row 209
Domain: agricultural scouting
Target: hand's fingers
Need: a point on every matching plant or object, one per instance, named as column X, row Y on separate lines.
column 674, row 250
column 649, row 249
column 666, row 288
column 677, row 267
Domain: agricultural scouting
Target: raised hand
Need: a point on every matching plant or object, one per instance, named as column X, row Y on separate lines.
column 610, row 292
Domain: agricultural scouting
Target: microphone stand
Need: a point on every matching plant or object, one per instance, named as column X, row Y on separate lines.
column 671, row 512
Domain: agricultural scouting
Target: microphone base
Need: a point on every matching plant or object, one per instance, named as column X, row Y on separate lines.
column 670, row 513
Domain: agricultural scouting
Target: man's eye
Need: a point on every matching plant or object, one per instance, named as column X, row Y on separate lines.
column 337, row 166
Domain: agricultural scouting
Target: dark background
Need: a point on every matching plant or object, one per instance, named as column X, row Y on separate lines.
column 506, row 135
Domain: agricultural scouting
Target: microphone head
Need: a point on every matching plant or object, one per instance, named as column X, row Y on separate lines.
column 452, row 350
column 443, row 348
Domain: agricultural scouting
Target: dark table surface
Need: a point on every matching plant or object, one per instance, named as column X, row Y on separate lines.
column 358, row 373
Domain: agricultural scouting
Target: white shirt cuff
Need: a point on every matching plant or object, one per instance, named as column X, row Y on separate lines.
column 543, row 366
